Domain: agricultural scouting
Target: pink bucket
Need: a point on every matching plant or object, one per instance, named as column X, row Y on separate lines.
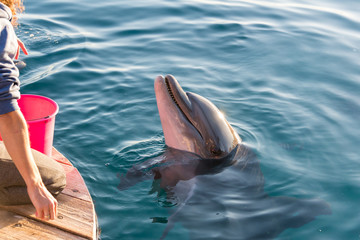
column 39, row 113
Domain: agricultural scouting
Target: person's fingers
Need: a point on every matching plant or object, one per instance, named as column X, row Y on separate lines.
column 43, row 213
column 52, row 216
column 44, row 203
column 40, row 214
column 46, row 215
column 52, row 211
column 55, row 208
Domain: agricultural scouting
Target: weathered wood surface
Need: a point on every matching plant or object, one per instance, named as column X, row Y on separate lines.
column 76, row 217
column 13, row 226
column 75, row 186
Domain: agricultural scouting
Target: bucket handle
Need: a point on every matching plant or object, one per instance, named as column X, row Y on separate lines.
column 36, row 119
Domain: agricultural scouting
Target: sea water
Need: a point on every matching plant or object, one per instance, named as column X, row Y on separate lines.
column 285, row 73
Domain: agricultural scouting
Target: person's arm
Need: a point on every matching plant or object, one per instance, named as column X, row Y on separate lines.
column 14, row 132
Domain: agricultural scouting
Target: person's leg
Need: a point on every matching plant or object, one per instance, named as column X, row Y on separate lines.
column 13, row 189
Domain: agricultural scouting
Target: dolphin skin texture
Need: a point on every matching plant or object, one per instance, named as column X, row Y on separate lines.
column 214, row 177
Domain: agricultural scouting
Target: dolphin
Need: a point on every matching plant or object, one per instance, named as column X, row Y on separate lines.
column 207, row 166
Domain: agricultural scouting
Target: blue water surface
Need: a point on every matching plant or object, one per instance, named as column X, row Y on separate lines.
column 285, row 73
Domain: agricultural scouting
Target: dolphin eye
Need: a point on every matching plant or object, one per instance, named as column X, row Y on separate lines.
column 215, row 151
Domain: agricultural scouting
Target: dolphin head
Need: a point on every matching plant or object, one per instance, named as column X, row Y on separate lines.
column 192, row 123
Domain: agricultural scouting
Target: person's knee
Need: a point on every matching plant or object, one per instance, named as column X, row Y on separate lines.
column 53, row 176
column 57, row 182
column 52, row 173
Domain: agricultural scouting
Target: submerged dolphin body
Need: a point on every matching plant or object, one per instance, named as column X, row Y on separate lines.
column 210, row 172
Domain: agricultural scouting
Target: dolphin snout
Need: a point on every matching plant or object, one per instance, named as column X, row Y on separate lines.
column 159, row 78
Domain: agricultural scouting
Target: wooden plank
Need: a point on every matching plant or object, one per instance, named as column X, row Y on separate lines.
column 17, row 227
column 75, row 185
column 75, row 216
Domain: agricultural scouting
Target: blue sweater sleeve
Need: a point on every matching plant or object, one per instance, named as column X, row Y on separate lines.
column 9, row 74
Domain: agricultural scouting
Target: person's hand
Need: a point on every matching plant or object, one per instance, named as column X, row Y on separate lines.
column 44, row 203
column 23, row 48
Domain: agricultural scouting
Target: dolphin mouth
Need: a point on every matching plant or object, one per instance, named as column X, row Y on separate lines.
column 172, row 95
column 180, row 98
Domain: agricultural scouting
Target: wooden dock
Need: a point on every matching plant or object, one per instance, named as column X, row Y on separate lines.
column 76, row 217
